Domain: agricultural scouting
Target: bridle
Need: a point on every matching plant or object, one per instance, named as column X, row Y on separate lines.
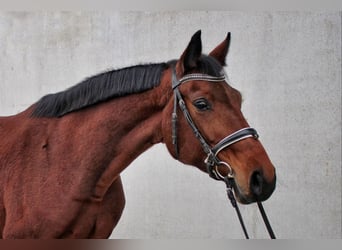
column 212, row 160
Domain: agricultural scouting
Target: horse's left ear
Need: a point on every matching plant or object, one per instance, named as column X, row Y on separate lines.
column 221, row 51
column 190, row 57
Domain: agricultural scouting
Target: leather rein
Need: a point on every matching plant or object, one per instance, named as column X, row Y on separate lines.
column 212, row 160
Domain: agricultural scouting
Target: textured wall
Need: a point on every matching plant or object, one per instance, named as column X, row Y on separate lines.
column 288, row 67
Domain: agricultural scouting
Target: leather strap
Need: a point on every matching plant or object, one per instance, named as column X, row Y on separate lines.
column 235, row 137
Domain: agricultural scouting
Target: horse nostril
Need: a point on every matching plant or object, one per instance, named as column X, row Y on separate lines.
column 256, row 183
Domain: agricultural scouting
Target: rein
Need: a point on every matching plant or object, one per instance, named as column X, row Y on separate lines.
column 212, row 161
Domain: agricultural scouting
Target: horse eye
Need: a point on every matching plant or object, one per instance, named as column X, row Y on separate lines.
column 201, row 104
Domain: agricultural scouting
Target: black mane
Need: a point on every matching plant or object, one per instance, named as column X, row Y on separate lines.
column 100, row 88
column 111, row 84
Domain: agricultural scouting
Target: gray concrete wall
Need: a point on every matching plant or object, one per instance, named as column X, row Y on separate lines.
column 288, row 67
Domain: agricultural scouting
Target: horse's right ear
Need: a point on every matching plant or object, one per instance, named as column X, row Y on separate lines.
column 190, row 57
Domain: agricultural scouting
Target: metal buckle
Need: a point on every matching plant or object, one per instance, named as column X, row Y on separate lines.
column 209, row 160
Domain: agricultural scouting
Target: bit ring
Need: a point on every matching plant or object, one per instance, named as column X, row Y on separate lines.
column 230, row 170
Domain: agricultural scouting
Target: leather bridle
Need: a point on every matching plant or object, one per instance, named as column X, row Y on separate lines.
column 212, row 160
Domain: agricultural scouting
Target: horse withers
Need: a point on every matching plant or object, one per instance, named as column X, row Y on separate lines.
column 61, row 159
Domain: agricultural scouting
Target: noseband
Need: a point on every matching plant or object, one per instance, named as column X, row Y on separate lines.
column 212, row 160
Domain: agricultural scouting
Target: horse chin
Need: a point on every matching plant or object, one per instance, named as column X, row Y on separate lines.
column 241, row 196
column 243, row 199
column 248, row 198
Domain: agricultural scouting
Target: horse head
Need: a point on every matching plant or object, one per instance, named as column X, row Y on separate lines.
column 204, row 110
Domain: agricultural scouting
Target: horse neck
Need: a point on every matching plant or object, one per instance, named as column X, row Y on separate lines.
column 124, row 127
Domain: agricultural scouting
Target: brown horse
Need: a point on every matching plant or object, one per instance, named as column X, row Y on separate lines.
column 61, row 159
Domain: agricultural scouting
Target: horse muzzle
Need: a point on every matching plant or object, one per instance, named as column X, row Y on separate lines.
column 258, row 190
